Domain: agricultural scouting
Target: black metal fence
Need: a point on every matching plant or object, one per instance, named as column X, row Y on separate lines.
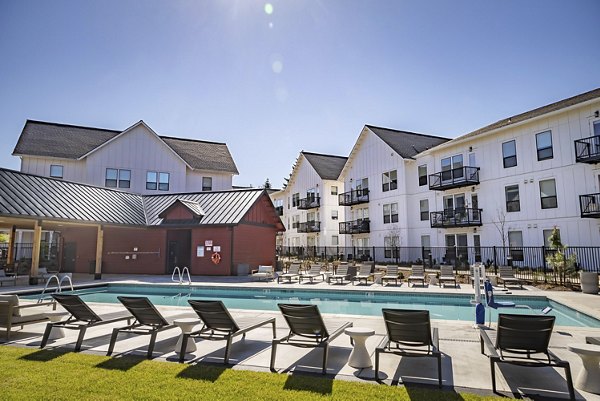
column 24, row 251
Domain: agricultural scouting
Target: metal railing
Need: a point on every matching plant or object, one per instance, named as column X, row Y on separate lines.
column 590, row 205
column 354, row 197
column 459, row 217
column 24, row 250
column 310, row 202
column 587, row 150
column 309, row 227
column 355, row 227
column 454, row 178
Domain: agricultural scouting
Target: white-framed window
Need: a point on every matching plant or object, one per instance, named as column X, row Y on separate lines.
column 56, row 171
column 157, row 181
column 389, row 181
column 515, row 238
column 422, row 175
column 548, row 194
column 424, row 209
column 391, row 244
column 547, row 233
column 117, row 178
column 513, row 203
column 334, row 190
column 207, row 184
column 509, row 154
column 390, row 213
column 452, row 167
column 335, row 240
column 295, row 199
column 334, row 215
column 296, row 221
column 543, row 142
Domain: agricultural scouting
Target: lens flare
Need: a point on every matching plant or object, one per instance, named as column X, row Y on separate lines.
column 269, row 8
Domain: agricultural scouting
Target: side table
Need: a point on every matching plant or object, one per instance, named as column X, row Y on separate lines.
column 56, row 316
column 359, row 358
column 186, row 326
column 589, row 377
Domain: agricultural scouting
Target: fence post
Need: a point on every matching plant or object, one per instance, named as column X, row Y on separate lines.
column 373, row 254
column 495, row 264
column 544, row 263
column 397, row 255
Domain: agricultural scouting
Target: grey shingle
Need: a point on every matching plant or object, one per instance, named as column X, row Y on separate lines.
column 203, row 155
column 407, row 144
column 328, row 167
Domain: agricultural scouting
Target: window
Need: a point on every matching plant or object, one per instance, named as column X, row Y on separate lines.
column 390, row 213
column 509, row 153
column 295, row 199
column 206, row 183
column 513, row 203
column 295, row 221
column 543, row 142
column 515, row 238
column 548, row 194
column 156, row 180
column 124, row 178
column 391, row 244
column 424, row 207
column 597, row 128
column 111, row 178
column 334, row 190
column 452, row 167
column 163, row 181
column 335, row 241
column 423, row 175
column 334, row 214
column 362, row 183
column 389, row 181
column 547, row 234
column 56, row 171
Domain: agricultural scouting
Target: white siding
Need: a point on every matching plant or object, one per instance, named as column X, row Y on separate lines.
column 73, row 170
column 220, row 181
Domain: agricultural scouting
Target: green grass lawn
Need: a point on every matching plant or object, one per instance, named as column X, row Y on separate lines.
column 27, row 374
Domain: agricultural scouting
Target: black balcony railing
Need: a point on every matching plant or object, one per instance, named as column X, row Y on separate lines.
column 355, row 227
column 310, row 202
column 590, row 205
column 454, row 178
column 587, row 150
column 279, row 210
column 309, row 227
column 459, row 217
column 354, row 197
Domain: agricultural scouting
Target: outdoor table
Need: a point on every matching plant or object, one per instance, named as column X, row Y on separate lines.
column 186, row 325
column 359, row 358
column 56, row 316
column 589, row 377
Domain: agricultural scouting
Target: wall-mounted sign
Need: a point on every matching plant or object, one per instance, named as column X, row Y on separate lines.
column 200, row 251
column 208, row 242
column 217, row 248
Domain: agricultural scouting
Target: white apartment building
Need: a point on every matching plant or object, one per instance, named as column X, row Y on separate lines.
column 308, row 206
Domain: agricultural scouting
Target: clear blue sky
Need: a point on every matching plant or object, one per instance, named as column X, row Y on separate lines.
column 271, row 80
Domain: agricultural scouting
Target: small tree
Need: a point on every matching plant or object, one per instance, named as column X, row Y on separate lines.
column 561, row 264
column 500, row 224
column 3, row 237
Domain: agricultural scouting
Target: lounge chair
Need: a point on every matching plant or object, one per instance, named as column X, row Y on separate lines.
column 263, row 271
column 447, row 274
column 10, row 313
column 518, row 339
column 219, row 325
column 507, row 275
column 315, row 271
column 410, row 332
column 82, row 318
column 417, row 274
column 592, row 340
column 293, row 272
column 340, row 274
column 148, row 321
column 7, row 279
column 391, row 274
column 364, row 273
column 307, row 330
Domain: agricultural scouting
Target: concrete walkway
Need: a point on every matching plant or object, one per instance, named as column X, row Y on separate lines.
column 463, row 366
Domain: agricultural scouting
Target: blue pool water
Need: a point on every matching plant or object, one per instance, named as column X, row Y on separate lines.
column 440, row 306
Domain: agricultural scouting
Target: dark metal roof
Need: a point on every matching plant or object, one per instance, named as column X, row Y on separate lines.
column 328, row 167
column 40, row 138
column 407, row 144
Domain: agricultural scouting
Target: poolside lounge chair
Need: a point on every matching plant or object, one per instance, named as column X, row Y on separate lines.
column 410, row 332
column 11, row 316
column 364, row 273
column 391, row 274
column 263, row 271
column 447, row 274
column 82, row 318
column 148, row 321
column 293, row 272
column 519, row 337
column 592, row 340
column 507, row 275
column 315, row 271
column 340, row 274
column 219, row 325
column 307, row 330
column 7, row 279
column 417, row 274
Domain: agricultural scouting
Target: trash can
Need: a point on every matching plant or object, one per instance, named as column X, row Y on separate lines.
column 589, row 282
column 243, row 269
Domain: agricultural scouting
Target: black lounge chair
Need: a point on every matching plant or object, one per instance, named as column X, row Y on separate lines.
column 364, row 273
column 391, row 274
column 592, row 340
column 340, row 274
column 520, row 336
column 417, row 274
column 293, row 272
column 148, row 321
column 307, row 330
column 82, row 318
column 315, row 271
column 447, row 274
column 410, row 332
column 219, row 325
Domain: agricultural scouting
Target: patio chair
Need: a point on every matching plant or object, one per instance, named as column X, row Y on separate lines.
column 315, row 271
column 411, row 334
column 148, row 321
column 518, row 339
column 447, row 274
column 7, row 279
column 391, row 274
column 293, row 272
column 417, row 274
column 592, row 340
column 364, row 273
column 307, row 330
column 340, row 274
column 11, row 316
column 219, row 325
column 263, row 271
column 507, row 275
column 82, row 318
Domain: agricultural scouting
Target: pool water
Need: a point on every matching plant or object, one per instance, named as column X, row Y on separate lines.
column 440, row 306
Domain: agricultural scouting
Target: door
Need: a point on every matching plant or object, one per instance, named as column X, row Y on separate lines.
column 450, row 250
column 179, row 248
column 172, row 260
column 69, row 256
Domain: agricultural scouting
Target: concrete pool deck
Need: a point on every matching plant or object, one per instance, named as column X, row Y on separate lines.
column 463, row 366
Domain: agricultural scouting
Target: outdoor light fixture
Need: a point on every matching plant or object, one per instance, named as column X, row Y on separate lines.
column 597, row 113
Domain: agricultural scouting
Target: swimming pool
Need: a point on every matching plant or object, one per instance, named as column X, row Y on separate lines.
column 347, row 302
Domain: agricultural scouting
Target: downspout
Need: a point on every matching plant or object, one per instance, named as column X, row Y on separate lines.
column 231, row 272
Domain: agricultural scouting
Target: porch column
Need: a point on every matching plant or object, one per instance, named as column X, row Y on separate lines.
column 10, row 256
column 35, row 253
column 99, row 245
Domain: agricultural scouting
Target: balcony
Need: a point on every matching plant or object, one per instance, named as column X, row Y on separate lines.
column 460, row 217
column 309, row 227
column 279, row 210
column 590, row 205
column 354, row 197
column 355, row 227
column 454, row 178
column 310, row 202
column 587, row 150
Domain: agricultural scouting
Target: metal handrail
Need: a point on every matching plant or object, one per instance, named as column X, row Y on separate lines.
column 59, row 282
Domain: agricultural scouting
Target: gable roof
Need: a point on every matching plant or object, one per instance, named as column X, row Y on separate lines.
column 328, row 167
column 46, row 139
column 191, row 206
column 406, row 144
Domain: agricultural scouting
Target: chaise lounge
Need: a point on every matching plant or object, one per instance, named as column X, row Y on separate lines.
column 507, row 275
column 417, row 274
column 364, row 273
column 340, row 274
column 447, row 275
column 292, row 273
column 391, row 274
column 314, row 272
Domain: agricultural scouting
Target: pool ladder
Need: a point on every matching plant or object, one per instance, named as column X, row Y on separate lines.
column 59, row 282
column 181, row 275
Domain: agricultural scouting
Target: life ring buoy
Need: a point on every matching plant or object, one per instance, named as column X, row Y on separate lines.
column 216, row 258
